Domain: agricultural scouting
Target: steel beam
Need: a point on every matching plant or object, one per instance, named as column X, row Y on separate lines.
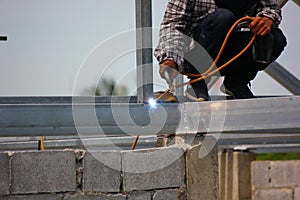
column 281, row 3
column 297, row 2
column 284, row 77
column 107, row 143
column 253, row 142
column 58, row 119
column 144, row 52
column 264, row 115
column 65, row 99
column 273, row 115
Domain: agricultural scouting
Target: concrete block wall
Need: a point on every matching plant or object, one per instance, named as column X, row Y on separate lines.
column 235, row 175
column 40, row 172
column 81, row 175
column 276, row 180
column 4, row 174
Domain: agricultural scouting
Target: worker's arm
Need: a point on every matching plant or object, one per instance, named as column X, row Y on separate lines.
column 271, row 10
column 261, row 25
column 173, row 31
column 269, row 14
column 170, row 66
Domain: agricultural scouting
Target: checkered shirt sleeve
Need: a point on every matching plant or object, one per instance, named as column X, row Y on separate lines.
column 270, row 9
column 180, row 18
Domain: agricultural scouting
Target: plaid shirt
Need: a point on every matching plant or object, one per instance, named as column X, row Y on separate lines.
column 183, row 16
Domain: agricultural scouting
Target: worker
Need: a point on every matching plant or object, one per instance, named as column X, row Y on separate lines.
column 206, row 23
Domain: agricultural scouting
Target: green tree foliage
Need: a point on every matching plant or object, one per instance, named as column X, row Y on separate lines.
column 278, row 156
column 107, row 87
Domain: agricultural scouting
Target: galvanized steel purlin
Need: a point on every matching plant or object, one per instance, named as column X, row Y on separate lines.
column 57, row 119
column 240, row 116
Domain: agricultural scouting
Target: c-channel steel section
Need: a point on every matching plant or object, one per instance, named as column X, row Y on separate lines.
column 57, row 119
column 265, row 115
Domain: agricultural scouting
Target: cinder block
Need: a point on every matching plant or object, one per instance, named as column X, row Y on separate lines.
column 297, row 194
column 139, row 195
column 171, row 194
column 4, row 174
column 153, row 169
column 95, row 197
column 274, row 194
column 227, row 186
column 222, row 174
column 102, row 172
column 33, row 197
column 202, row 174
column 260, row 171
column 242, row 174
column 49, row 171
column 285, row 173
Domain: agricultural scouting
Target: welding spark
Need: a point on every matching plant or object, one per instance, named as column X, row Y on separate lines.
column 152, row 102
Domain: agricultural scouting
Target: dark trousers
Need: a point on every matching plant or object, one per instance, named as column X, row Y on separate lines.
column 210, row 35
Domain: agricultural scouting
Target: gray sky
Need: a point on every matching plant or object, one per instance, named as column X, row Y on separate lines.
column 48, row 42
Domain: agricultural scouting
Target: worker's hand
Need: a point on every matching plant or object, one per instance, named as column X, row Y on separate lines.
column 168, row 71
column 261, row 25
column 170, row 67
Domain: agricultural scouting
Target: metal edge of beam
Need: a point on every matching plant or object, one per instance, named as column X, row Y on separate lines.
column 264, row 146
column 273, row 148
column 61, row 142
column 257, row 139
column 66, row 99
column 111, row 143
column 124, row 143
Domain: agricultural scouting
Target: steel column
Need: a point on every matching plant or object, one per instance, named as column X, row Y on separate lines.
column 144, row 54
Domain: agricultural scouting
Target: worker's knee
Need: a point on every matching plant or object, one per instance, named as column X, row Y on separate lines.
column 224, row 17
column 219, row 21
column 214, row 27
column 279, row 42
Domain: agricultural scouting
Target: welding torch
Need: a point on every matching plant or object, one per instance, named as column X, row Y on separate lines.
column 169, row 79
